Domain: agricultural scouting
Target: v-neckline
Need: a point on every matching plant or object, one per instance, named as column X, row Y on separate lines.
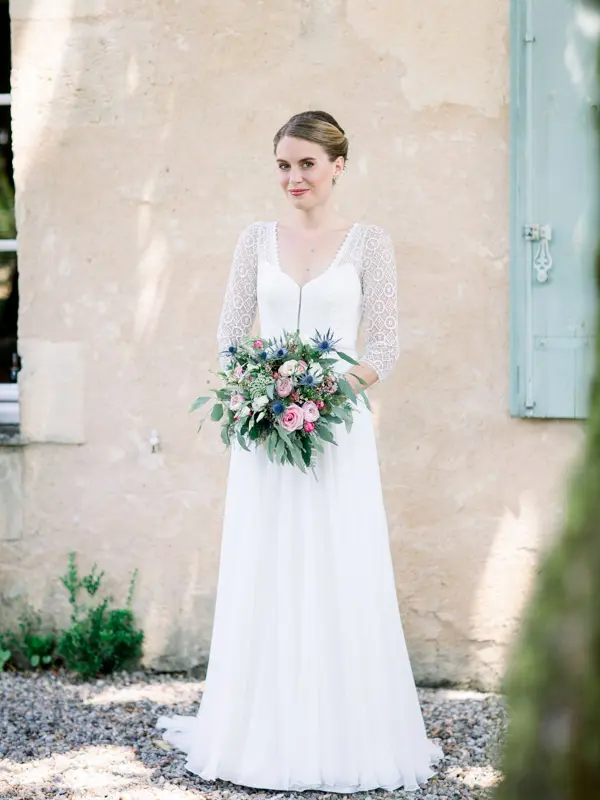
column 327, row 269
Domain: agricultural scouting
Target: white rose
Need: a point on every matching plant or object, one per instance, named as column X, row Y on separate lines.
column 288, row 368
column 260, row 402
column 245, row 411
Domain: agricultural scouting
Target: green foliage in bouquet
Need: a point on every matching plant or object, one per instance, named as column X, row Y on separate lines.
column 100, row 640
column 284, row 395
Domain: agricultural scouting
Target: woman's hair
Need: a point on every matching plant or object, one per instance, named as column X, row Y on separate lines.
column 318, row 127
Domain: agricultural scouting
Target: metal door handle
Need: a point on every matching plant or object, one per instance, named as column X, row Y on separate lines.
column 542, row 260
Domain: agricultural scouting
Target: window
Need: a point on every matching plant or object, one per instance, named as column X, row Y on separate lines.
column 9, row 279
column 553, row 219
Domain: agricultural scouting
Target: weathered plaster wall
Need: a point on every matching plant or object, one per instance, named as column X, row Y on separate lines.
column 142, row 145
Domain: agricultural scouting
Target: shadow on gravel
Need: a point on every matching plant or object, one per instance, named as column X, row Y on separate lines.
column 66, row 738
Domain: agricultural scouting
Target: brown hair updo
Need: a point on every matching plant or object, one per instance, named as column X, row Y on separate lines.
column 318, row 127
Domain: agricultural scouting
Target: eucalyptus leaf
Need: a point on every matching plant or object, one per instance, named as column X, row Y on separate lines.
column 297, row 456
column 316, row 445
column 326, row 434
column 225, row 436
column 243, row 444
column 217, row 412
column 280, row 450
column 270, row 445
column 199, row 402
column 347, row 390
column 307, row 451
column 347, row 358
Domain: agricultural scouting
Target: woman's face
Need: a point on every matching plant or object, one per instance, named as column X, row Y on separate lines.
column 305, row 172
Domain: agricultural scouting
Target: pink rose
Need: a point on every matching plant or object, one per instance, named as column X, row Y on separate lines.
column 238, row 373
column 258, row 344
column 292, row 419
column 236, row 402
column 301, row 368
column 309, row 427
column 311, row 412
column 284, row 387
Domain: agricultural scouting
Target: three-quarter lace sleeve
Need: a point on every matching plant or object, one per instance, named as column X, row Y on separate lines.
column 239, row 303
column 380, row 305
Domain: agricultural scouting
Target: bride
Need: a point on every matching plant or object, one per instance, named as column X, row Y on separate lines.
column 309, row 684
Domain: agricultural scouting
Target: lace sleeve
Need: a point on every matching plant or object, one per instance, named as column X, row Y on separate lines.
column 380, row 307
column 239, row 303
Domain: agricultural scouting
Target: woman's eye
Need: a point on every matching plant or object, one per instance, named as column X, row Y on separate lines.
column 283, row 166
column 308, row 164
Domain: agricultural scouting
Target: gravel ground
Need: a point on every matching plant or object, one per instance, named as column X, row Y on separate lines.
column 60, row 737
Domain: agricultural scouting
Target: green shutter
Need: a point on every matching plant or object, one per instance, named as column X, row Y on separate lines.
column 553, row 174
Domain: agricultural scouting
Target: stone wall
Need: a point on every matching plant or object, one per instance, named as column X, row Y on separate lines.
column 142, row 136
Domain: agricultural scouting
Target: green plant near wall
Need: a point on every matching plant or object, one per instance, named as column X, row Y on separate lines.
column 100, row 640
column 28, row 647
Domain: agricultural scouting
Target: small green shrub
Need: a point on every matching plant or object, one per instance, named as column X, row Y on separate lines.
column 4, row 658
column 100, row 640
column 37, row 648
column 28, row 647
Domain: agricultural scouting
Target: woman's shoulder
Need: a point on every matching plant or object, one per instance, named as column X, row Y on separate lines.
column 257, row 227
column 370, row 229
column 374, row 237
column 252, row 234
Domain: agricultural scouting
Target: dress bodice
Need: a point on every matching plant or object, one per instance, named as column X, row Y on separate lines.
column 359, row 285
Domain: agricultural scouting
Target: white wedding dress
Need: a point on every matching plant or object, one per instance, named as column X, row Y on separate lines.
column 309, row 684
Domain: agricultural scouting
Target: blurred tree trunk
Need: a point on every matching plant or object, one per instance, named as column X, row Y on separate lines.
column 553, row 684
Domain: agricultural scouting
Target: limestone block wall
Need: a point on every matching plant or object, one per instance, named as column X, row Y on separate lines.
column 142, row 137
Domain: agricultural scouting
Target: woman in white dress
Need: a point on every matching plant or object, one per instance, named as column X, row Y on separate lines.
column 309, row 684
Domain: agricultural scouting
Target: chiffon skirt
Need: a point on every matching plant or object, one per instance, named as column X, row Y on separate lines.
column 309, row 684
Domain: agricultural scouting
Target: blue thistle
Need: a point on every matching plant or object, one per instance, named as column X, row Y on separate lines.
column 307, row 380
column 230, row 351
column 277, row 408
column 324, row 343
column 278, row 349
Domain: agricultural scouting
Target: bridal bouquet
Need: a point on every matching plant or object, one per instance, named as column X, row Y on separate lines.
column 284, row 395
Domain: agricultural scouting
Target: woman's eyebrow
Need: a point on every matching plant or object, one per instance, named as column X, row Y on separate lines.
column 308, row 158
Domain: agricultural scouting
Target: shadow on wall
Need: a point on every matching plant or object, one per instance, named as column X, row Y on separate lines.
column 98, row 155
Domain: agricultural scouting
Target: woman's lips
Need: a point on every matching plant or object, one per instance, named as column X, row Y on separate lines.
column 298, row 192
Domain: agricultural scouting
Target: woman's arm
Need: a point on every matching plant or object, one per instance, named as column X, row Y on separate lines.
column 239, row 303
column 380, row 310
